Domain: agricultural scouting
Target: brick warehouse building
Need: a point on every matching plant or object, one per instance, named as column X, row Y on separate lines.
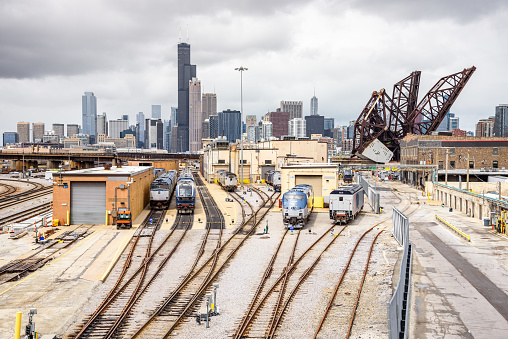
column 91, row 195
column 484, row 152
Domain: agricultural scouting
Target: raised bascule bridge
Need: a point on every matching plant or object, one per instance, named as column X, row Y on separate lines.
column 385, row 120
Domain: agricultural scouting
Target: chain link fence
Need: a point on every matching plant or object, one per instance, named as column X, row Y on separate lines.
column 398, row 306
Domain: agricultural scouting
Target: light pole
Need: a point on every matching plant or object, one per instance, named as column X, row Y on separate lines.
column 241, row 69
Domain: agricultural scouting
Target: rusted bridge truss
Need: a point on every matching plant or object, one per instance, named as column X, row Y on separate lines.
column 391, row 119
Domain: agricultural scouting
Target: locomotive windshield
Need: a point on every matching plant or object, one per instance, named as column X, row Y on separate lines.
column 294, row 196
column 185, row 191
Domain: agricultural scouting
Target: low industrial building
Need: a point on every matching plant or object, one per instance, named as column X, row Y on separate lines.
column 258, row 158
column 324, row 178
column 91, row 196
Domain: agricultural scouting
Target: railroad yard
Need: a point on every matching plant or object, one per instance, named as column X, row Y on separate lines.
column 154, row 280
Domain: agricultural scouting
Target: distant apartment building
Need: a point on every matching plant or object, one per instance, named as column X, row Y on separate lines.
column 89, row 115
column 174, row 113
column 10, row 138
column 205, row 129
column 295, row 108
column 314, row 105
column 50, row 137
column 59, row 130
column 38, row 132
column 102, row 124
column 297, row 128
column 117, row 126
column 314, row 124
column 485, row 127
column 23, row 130
column 195, row 115
column 166, row 126
column 351, row 130
column 72, row 130
column 208, row 105
column 252, row 135
column 156, row 112
column 347, row 145
column 280, row 123
column 501, row 121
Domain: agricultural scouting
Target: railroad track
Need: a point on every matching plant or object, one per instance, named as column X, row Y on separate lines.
column 25, row 196
column 130, row 283
column 26, row 214
column 18, row 268
column 182, row 301
column 9, row 189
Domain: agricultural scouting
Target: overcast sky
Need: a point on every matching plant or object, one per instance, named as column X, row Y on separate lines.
column 125, row 51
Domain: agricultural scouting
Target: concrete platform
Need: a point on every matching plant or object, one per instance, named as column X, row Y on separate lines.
column 230, row 210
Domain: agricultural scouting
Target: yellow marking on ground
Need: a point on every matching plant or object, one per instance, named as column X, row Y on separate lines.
column 459, row 232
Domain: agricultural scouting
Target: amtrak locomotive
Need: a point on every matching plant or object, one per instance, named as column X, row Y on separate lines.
column 185, row 193
column 346, row 202
column 161, row 190
column 295, row 205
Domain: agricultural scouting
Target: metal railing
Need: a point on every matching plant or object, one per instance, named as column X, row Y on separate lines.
column 372, row 193
column 398, row 306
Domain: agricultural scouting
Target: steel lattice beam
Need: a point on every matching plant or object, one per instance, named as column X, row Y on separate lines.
column 389, row 120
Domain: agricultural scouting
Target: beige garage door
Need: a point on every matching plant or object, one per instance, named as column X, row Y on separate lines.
column 314, row 180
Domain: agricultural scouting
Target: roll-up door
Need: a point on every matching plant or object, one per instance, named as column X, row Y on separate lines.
column 314, row 180
column 88, row 202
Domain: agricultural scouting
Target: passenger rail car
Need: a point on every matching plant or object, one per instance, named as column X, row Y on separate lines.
column 273, row 179
column 161, row 190
column 295, row 205
column 346, row 202
column 348, row 176
column 185, row 193
column 227, row 180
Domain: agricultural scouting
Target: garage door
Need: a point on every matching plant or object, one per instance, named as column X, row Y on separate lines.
column 314, row 180
column 88, row 202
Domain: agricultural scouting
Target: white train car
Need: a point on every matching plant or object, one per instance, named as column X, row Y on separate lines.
column 346, row 202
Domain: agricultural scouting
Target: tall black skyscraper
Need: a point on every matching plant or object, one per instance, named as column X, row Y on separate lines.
column 186, row 72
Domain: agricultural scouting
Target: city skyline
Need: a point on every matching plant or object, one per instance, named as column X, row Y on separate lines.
column 42, row 84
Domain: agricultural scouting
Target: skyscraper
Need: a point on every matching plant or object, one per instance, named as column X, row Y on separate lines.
column 72, row 130
column 59, row 130
column 174, row 118
column 501, row 122
column 10, row 138
column 294, row 108
column 156, row 112
column 214, row 126
column 315, row 124
column 125, row 117
column 154, row 134
column 230, row 125
column 186, row 72
column 167, row 135
column 209, row 105
column 37, row 131
column 23, row 129
column 297, row 128
column 329, row 123
column 266, row 130
column 250, row 120
column 195, row 115
column 117, row 126
column 140, row 129
column 314, row 105
column 89, row 115
column 102, row 124
column 485, row 128
column 279, row 122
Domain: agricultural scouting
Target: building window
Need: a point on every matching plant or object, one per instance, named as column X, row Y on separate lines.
column 268, row 162
column 494, row 164
column 441, row 165
column 243, row 161
column 495, row 151
column 221, row 161
column 471, row 165
column 452, row 151
column 452, row 164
